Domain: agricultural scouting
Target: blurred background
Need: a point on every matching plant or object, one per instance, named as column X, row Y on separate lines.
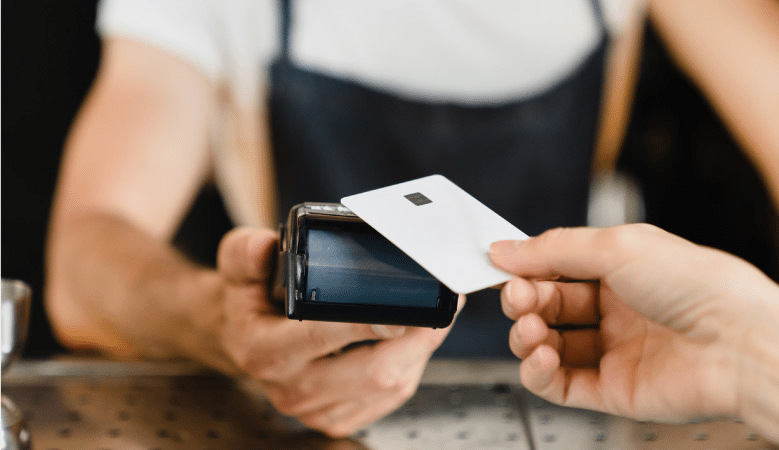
column 694, row 179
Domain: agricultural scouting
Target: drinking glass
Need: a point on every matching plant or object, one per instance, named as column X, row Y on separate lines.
column 14, row 319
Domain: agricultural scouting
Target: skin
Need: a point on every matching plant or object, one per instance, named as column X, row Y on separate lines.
column 730, row 49
column 679, row 330
column 115, row 283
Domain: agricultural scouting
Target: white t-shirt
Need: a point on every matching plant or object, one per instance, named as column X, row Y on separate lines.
column 463, row 51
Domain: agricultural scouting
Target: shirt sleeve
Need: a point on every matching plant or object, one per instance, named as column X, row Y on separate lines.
column 185, row 29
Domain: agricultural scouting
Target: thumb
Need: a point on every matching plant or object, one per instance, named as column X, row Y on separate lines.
column 245, row 254
column 576, row 253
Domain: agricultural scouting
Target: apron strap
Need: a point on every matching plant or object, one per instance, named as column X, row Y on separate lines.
column 285, row 12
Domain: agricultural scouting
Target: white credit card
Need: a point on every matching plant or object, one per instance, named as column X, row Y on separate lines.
column 441, row 227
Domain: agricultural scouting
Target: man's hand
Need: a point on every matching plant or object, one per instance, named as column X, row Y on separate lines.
column 300, row 364
column 679, row 330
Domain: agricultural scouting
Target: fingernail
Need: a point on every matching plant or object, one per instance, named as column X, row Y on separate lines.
column 386, row 331
column 503, row 247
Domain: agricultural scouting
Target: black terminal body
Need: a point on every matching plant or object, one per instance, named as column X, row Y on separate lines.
column 334, row 267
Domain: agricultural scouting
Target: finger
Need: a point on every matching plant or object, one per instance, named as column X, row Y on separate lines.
column 578, row 348
column 542, row 375
column 388, row 367
column 370, row 410
column 342, row 419
column 391, row 366
column 312, row 340
column 518, row 297
column 286, row 348
column 394, row 359
column 385, row 366
column 563, row 303
column 540, row 371
column 577, row 253
column 245, row 255
column 321, row 384
column 325, row 419
column 387, row 374
column 575, row 347
column 558, row 303
column 529, row 332
column 282, row 347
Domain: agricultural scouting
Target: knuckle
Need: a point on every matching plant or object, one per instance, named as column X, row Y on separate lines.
column 227, row 249
column 554, row 234
column 287, row 402
column 360, row 332
column 432, row 339
column 318, row 339
column 285, row 409
column 322, row 422
column 406, row 391
column 340, row 429
column 516, row 297
column 508, row 308
column 517, row 348
column 630, row 239
column 278, row 398
column 554, row 303
column 272, row 366
column 380, row 379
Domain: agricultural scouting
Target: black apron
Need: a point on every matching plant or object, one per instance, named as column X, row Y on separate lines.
column 528, row 160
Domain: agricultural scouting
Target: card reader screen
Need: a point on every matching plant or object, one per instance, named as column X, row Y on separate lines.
column 360, row 266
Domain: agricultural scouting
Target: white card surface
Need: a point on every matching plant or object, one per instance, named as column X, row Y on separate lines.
column 441, row 227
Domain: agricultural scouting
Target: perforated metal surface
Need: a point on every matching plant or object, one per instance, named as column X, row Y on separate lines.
column 557, row 428
column 461, row 405
column 454, row 417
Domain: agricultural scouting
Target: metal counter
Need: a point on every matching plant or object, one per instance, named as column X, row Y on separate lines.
column 97, row 404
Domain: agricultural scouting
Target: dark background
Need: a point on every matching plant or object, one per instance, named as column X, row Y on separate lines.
column 49, row 56
column 695, row 180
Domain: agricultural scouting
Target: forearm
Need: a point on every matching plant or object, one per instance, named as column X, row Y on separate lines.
column 618, row 90
column 114, row 288
column 731, row 50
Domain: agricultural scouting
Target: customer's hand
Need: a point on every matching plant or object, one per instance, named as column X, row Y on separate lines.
column 300, row 365
column 680, row 330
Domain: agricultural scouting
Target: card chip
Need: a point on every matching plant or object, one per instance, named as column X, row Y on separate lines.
column 418, row 199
